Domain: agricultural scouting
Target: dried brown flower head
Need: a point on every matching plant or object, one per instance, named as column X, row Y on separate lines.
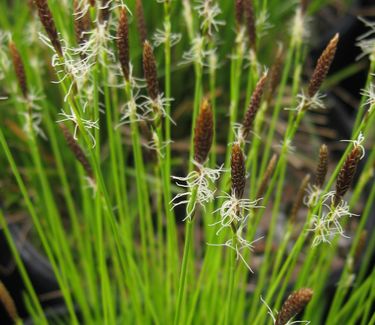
column 253, row 107
column 7, row 301
column 248, row 8
column 19, row 68
column 81, row 23
column 293, row 305
column 299, row 198
column 239, row 12
column 266, row 176
column 141, row 23
column 203, row 132
column 275, row 73
column 150, row 71
column 92, row 3
column 346, row 174
column 322, row 66
column 321, row 170
column 238, row 171
column 76, row 150
column 304, row 6
column 46, row 18
column 104, row 11
column 123, row 43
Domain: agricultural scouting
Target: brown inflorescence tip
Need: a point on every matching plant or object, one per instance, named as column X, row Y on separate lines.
column 141, row 23
column 304, row 6
column 150, row 71
column 203, row 133
column 322, row 66
column 293, row 305
column 92, row 3
column 104, row 11
column 123, row 43
column 253, row 107
column 81, row 23
column 248, row 8
column 346, row 174
column 7, row 301
column 266, row 176
column 238, row 171
column 46, row 19
column 299, row 198
column 239, row 12
column 321, row 169
column 275, row 73
column 76, row 150
column 19, row 68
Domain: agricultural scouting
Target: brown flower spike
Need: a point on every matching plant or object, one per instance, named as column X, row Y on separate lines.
column 141, row 23
column 19, row 68
column 203, row 133
column 266, row 176
column 346, row 174
column 293, row 305
column 321, row 170
column 322, row 66
column 248, row 8
column 150, row 71
column 238, row 171
column 239, row 12
column 46, row 19
column 299, row 198
column 81, row 23
column 76, row 150
column 275, row 73
column 123, row 43
column 7, row 301
column 104, row 11
column 250, row 114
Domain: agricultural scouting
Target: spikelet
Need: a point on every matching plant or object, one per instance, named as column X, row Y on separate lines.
column 81, row 23
column 92, row 3
column 47, row 21
column 266, row 176
column 253, row 107
column 321, row 170
column 123, row 43
column 19, row 68
column 104, row 11
column 299, row 198
column 322, row 66
column 76, row 150
column 238, row 171
column 141, row 23
column 250, row 22
column 7, row 301
column 304, row 5
column 203, row 133
column 239, row 12
column 293, row 305
column 346, row 174
column 150, row 71
column 275, row 73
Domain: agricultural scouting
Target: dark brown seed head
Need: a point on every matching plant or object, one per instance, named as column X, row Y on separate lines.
column 203, row 132
column 123, row 43
column 92, row 3
column 104, row 11
column 46, row 18
column 253, row 107
column 150, row 71
column 322, row 66
column 275, row 73
column 239, row 12
column 293, row 305
column 19, row 68
column 304, row 6
column 250, row 22
column 238, row 171
column 299, row 198
column 76, row 150
column 141, row 23
column 7, row 301
column 266, row 176
column 81, row 23
column 321, row 170
column 346, row 174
